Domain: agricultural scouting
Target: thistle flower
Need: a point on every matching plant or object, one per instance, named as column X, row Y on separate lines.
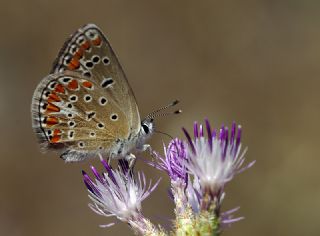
column 198, row 169
column 173, row 162
column 117, row 193
column 215, row 159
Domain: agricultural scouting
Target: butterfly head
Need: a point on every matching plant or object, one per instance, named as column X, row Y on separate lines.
column 147, row 127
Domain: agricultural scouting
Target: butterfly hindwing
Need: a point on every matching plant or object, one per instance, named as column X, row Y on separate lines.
column 73, row 113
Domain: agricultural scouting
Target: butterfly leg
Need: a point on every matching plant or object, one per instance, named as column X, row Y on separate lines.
column 73, row 156
column 131, row 159
column 147, row 147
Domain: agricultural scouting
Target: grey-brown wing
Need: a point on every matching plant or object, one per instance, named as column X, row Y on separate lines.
column 72, row 114
column 89, row 53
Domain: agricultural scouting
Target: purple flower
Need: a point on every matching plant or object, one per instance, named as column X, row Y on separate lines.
column 117, row 193
column 173, row 162
column 216, row 157
column 227, row 217
column 194, row 194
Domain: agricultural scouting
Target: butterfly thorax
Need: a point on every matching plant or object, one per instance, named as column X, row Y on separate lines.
column 134, row 143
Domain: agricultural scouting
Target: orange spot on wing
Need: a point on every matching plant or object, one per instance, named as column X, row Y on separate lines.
column 56, row 136
column 52, row 108
column 59, row 88
column 96, row 41
column 53, row 97
column 56, row 139
column 51, row 120
column 73, row 84
column 87, row 84
column 85, row 45
column 74, row 64
column 78, row 54
column 56, row 132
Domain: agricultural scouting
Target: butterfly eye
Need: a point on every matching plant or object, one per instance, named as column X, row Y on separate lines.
column 145, row 128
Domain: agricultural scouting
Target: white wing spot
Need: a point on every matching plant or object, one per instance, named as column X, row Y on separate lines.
column 103, row 101
column 89, row 64
column 87, row 98
column 46, row 94
column 81, row 144
column 114, row 117
column 69, row 106
column 65, row 80
column 71, row 134
column 73, row 48
column 73, row 98
column 71, row 123
column 100, row 125
column 52, row 85
column 80, row 40
column 87, row 73
column 106, row 60
column 91, row 34
column 90, row 115
column 107, row 82
column 66, row 60
column 95, row 59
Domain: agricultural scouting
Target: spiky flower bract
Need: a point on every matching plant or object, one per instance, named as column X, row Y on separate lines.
column 119, row 193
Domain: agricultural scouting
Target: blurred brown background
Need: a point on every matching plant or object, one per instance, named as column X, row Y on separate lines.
column 255, row 62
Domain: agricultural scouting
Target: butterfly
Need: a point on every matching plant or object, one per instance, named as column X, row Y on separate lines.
column 85, row 106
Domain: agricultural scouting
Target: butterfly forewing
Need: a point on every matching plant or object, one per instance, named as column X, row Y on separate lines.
column 89, row 53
